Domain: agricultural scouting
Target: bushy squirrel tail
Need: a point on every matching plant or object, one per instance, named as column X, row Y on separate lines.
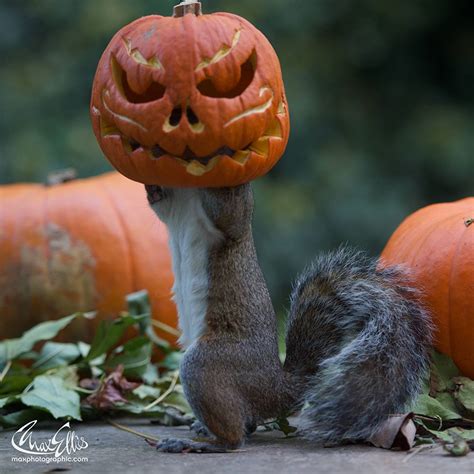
column 359, row 340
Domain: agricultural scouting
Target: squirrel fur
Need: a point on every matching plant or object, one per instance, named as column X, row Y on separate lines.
column 358, row 340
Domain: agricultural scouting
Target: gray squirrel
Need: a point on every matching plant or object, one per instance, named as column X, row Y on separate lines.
column 358, row 340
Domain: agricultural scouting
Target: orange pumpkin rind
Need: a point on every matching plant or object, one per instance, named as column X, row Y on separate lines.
column 437, row 245
column 192, row 101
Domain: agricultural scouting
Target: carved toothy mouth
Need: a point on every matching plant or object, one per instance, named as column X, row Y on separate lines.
column 157, row 151
column 199, row 165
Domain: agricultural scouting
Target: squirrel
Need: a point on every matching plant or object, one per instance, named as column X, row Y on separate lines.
column 357, row 345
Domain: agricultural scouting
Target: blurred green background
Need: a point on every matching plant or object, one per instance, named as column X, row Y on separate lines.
column 381, row 95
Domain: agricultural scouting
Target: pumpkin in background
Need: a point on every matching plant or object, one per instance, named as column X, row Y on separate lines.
column 190, row 101
column 437, row 244
column 80, row 246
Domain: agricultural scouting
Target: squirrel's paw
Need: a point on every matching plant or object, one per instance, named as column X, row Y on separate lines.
column 200, row 429
column 172, row 445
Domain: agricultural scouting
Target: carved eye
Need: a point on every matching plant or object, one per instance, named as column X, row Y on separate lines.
column 155, row 90
column 247, row 73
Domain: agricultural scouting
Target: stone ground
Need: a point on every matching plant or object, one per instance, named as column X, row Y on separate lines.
column 113, row 450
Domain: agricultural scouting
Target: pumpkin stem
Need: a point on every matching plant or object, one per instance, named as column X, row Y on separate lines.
column 187, row 6
column 61, row 176
column 469, row 222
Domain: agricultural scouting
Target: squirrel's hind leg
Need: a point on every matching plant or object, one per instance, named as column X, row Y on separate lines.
column 221, row 440
column 222, row 418
column 213, row 392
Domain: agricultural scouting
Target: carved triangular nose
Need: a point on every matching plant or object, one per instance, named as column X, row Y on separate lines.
column 177, row 114
column 176, row 118
column 194, row 122
column 191, row 116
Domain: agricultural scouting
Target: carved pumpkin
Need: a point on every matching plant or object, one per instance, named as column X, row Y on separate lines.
column 80, row 246
column 437, row 243
column 190, row 100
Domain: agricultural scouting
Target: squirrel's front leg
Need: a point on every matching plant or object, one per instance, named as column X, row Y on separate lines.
column 231, row 373
column 215, row 401
column 211, row 391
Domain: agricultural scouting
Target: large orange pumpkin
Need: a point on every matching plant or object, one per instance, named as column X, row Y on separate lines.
column 191, row 100
column 80, row 246
column 437, row 243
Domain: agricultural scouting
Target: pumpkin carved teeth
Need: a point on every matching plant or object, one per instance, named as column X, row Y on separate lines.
column 198, row 169
column 194, row 164
column 157, row 151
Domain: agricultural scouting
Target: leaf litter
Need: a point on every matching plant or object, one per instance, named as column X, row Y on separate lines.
column 41, row 379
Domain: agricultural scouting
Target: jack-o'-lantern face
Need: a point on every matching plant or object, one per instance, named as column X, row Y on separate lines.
column 189, row 101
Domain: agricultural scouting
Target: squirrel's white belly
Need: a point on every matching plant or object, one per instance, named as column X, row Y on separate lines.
column 192, row 234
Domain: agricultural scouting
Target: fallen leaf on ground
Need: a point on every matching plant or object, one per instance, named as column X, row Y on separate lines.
column 112, row 390
column 464, row 395
column 459, row 446
column 51, row 393
column 397, row 432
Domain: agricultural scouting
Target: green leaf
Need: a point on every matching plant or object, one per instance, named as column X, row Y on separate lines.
column 459, row 446
column 146, row 391
column 68, row 374
column 285, row 427
column 443, row 369
column 423, row 440
column 280, row 424
column 449, row 435
column 442, row 407
column 109, row 334
column 135, row 357
column 84, row 348
column 177, row 400
column 5, row 401
column 30, row 355
column 150, row 375
column 139, row 305
column 437, row 399
column 11, row 349
column 467, row 435
column 464, row 394
column 13, row 384
column 172, row 360
column 21, row 417
column 50, row 393
column 54, row 354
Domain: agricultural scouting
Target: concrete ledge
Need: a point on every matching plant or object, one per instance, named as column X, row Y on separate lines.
column 113, row 450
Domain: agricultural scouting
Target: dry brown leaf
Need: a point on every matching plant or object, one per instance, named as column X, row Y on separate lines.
column 90, row 384
column 112, row 390
column 397, row 432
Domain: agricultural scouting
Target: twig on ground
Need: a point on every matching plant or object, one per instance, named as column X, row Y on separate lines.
column 165, row 394
column 130, row 430
column 418, row 449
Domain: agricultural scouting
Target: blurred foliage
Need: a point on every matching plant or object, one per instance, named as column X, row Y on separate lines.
column 381, row 95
